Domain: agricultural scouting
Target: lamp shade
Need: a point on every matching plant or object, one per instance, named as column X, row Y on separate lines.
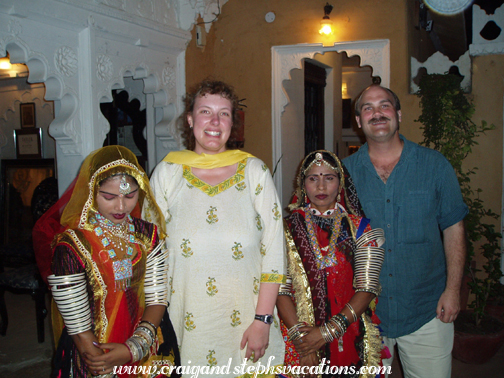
column 326, row 26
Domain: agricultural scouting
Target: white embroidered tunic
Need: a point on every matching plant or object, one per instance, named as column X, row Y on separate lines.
column 223, row 241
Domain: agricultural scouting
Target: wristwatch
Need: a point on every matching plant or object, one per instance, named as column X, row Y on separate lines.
column 268, row 319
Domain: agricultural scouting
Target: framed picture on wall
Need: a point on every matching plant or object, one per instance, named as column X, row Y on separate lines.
column 28, row 143
column 27, row 111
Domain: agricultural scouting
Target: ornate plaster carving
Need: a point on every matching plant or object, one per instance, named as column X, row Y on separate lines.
column 15, row 27
column 481, row 46
column 119, row 4
column 65, row 127
column 169, row 77
column 369, row 57
column 439, row 64
column 104, row 67
column 143, row 12
column 486, row 49
column 372, row 53
column 65, row 60
column 166, row 129
column 188, row 10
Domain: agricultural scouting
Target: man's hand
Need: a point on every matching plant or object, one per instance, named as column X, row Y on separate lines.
column 448, row 306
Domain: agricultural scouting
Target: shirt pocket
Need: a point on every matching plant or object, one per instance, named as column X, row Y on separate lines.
column 414, row 215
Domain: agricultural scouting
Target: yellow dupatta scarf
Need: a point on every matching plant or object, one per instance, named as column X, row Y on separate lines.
column 206, row 161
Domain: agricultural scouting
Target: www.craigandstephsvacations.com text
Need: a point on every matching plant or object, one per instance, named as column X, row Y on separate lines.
column 252, row 370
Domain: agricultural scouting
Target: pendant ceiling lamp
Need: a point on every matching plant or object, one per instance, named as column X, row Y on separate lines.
column 326, row 25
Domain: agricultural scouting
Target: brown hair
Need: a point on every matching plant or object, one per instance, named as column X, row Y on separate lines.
column 397, row 103
column 206, row 87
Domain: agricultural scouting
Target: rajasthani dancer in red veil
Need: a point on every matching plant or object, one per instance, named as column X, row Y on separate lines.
column 334, row 260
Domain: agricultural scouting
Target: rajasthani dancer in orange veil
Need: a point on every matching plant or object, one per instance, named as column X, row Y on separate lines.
column 109, row 273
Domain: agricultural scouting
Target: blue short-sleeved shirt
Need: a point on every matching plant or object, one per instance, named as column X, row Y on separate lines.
column 420, row 199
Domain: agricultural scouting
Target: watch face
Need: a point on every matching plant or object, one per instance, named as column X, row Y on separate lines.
column 268, row 319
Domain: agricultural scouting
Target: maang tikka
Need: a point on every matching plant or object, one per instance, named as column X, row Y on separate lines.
column 124, row 186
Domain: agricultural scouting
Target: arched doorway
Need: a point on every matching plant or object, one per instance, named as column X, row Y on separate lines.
column 373, row 53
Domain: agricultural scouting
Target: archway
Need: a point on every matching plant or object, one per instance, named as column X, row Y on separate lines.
column 373, row 53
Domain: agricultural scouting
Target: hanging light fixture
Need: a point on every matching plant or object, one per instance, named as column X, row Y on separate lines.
column 326, row 25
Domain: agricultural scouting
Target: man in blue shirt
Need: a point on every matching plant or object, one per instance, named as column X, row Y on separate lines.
column 413, row 194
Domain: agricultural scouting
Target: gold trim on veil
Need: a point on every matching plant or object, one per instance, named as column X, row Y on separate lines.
column 99, row 165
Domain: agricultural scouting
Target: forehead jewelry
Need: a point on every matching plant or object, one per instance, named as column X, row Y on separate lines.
column 318, row 161
column 124, row 186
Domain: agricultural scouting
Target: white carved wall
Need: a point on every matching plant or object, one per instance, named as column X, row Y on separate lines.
column 481, row 46
column 438, row 63
column 83, row 49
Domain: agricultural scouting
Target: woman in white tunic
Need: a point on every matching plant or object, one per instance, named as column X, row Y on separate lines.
column 225, row 240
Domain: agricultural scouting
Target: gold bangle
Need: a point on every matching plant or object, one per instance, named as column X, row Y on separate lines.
column 354, row 315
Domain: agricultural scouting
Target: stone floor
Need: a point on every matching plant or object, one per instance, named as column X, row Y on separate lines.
column 20, row 353
column 22, row 356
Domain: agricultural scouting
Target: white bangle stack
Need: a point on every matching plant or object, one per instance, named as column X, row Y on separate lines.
column 71, row 297
column 285, row 288
column 368, row 261
column 156, row 277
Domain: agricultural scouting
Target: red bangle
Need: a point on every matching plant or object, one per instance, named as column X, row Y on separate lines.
column 131, row 354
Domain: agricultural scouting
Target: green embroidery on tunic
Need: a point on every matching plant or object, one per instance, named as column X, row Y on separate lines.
column 212, row 361
column 212, row 217
column 186, row 250
column 210, row 190
column 189, row 323
column 237, row 252
column 211, row 288
column 258, row 222
column 276, row 213
column 235, row 318
column 256, row 285
column 258, row 190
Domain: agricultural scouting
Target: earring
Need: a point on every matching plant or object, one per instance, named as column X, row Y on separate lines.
column 338, row 198
column 305, row 198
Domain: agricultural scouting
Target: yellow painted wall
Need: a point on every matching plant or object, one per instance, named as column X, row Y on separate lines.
column 238, row 51
column 239, row 44
column 487, row 93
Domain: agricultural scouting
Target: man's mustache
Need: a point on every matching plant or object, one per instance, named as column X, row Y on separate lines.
column 379, row 119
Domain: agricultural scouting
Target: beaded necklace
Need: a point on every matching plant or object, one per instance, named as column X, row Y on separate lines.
column 317, row 212
column 117, row 236
column 330, row 258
